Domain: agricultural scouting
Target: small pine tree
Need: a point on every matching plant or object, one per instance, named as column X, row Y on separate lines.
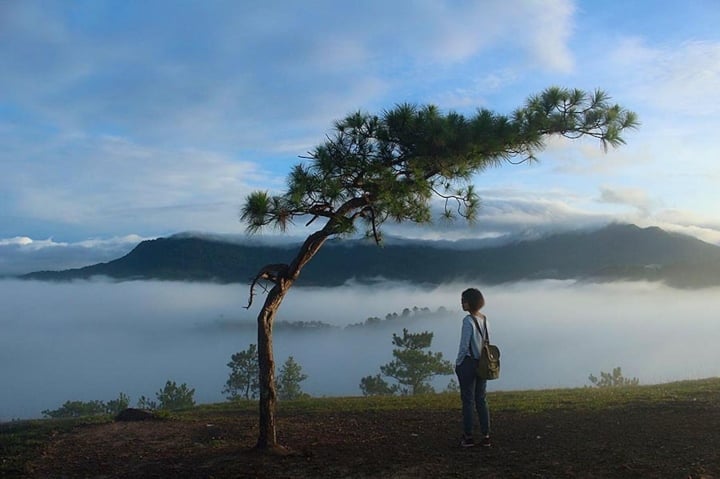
column 377, row 386
column 412, row 367
column 116, row 405
column 173, row 396
column 89, row 408
column 452, row 387
column 147, row 403
column 289, row 380
column 243, row 380
column 613, row 380
column 76, row 409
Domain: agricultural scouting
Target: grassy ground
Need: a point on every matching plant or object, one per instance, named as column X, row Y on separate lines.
column 664, row 431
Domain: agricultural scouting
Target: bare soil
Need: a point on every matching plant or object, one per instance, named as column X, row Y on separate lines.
column 643, row 440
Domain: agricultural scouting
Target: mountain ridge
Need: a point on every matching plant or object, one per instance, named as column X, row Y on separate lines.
column 614, row 252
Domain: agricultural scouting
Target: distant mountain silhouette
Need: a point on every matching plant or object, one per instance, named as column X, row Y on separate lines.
column 615, row 252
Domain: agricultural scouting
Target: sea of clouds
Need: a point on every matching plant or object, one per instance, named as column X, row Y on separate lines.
column 90, row 340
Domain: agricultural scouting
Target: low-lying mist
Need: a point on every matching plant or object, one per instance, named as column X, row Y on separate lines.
column 93, row 340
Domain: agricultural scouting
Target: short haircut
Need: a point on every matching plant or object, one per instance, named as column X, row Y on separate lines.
column 474, row 298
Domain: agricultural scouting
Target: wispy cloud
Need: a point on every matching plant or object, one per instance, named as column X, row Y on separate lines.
column 22, row 254
column 117, row 181
column 633, row 197
column 680, row 79
column 256, row 67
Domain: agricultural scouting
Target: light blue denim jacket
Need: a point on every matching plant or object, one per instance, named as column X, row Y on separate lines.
column 470, row 331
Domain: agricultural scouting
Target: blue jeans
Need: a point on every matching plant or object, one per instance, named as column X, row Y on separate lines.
column 472, row 390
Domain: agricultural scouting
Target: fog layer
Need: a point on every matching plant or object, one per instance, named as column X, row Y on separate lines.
column 93, row 340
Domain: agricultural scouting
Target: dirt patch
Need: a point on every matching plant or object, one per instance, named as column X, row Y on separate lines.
column 672, row 440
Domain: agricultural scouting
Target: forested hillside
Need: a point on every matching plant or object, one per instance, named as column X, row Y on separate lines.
column 615, row 252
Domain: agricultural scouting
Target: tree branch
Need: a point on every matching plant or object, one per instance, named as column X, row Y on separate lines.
column 270, row 272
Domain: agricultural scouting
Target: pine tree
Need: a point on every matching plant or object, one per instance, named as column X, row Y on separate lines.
column 377, row 386
column 243, row 379
column 413, row 367
column 173, row 396
column 289, row 380
column 613, row 380
column 375, row 168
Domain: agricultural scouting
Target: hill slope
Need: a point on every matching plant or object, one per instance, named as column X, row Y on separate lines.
column 562, row 433
column 611, row 253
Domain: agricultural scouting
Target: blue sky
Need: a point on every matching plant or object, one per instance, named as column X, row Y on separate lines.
column 128, row 120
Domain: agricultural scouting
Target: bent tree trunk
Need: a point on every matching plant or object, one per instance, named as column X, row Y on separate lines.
column 266, row 363
column 283, row 280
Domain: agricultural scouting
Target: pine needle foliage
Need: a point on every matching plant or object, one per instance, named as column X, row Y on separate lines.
column 376, row 168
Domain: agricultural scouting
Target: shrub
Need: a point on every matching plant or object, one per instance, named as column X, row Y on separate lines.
column 613, row 380
column 173, row 396
column 170, row 397
column 89, row 408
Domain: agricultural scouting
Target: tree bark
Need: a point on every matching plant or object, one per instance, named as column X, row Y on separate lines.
column 266, row 362
column 267, row 438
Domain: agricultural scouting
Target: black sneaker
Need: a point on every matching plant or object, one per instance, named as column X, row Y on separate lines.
column 467, row 442
column 485, row 441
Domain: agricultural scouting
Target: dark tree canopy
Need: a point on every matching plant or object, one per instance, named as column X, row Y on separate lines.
column 388, row 167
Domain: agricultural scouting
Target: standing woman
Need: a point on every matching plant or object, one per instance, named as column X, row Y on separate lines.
column 472, row 389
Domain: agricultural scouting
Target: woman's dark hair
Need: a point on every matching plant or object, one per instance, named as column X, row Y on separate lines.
column 474, row 298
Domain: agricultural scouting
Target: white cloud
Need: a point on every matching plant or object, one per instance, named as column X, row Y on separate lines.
column 634, row 197
column 510, row 212
column 520, row 212
column 680, row 79
column 34, row 244
column 16, row 241
column 550, row 25
column 474, row 94
column 706, row 228
column 75, row 333
column 118, row 181
column 257, row 65
column 541, row 30
column 19, row 255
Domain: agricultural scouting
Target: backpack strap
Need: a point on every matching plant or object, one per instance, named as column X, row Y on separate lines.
column 484, row 337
